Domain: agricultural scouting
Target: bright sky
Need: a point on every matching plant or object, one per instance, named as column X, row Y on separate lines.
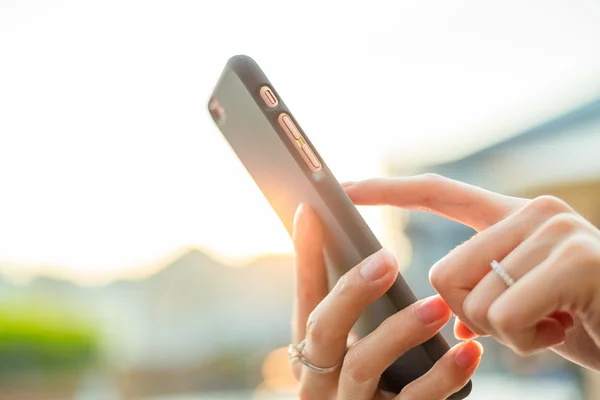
column 109, row 162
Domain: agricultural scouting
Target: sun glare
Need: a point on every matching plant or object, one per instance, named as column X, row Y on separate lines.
column 110, row 162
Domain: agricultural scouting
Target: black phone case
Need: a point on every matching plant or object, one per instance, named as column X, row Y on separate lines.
column 254, row 133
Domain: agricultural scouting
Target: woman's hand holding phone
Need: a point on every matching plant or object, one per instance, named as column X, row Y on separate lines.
column 549, row 296
column 324, row 319
column 289, row 171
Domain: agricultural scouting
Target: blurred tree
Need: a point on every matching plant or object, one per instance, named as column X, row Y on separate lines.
column 43, row 339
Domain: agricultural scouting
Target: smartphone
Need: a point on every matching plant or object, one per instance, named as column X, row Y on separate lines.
column 289, row 171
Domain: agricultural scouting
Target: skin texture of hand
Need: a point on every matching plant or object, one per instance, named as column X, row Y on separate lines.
column 552, row 252
column 325, row 319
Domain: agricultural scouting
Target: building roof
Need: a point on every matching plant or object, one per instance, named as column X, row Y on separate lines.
column 564, row 149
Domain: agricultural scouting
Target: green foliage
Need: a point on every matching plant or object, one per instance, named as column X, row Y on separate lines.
column 43, row 339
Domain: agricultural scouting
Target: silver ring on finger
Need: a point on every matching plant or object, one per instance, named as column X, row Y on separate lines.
column 501, row 272
column 296, row 353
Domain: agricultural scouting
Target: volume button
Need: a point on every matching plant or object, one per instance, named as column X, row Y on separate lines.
column 289, row 127
column 311, row 156
column 293, row 133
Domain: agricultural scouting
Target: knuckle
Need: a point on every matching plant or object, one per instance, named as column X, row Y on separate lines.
column 432, row 177
column 440, row 277
column 578, row 245
column 581, row 248
column 355, row 367
column 409, row 330
column 500, row 320
column 318, row 331
column 343, row 285
column 521, row 348
column 451, row 382
column 445, row 378
column 314, row 327
column 548, row 205
column 504, row 324
column 476, row 311
column 562, row 223
column 412, row 390
column 433, row 182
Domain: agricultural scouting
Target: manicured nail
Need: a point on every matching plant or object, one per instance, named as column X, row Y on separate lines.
column 468, row 353
column 378, row 265
column 461, row 331
column 297, row 215
column 433, row 309
column 297, row 218
column 563, row 318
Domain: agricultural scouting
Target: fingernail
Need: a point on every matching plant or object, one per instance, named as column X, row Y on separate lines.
column 346, row 185
column 461, row 331
column 297, row 218
column 468, row 353
column 564, row 318
column 433, row 309
column 378, row 265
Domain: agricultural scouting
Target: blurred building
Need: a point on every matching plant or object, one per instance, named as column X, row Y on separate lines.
column 560, row 157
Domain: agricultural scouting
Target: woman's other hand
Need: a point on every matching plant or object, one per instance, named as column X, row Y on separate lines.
column 551, row 252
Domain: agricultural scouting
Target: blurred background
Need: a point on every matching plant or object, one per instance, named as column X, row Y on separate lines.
column 131, row 265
